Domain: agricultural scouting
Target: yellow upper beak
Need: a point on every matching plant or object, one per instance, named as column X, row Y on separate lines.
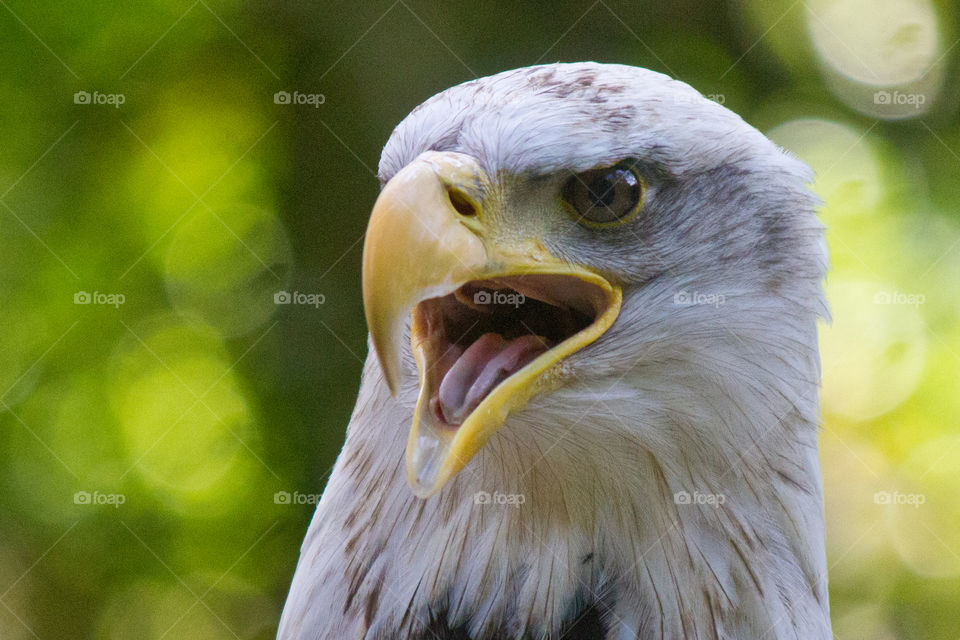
column 420, row 246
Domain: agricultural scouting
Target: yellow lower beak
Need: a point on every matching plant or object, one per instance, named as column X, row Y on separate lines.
column 426, row 241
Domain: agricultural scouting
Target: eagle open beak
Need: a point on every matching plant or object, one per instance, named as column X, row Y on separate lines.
column 490, row 321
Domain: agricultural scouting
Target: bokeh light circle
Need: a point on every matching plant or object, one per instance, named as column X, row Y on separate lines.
column 881, row 57
column 925, row 521
column 846, row 168
column 850, row 469
column 188, row 429
column 224, row 267
column 874, row 352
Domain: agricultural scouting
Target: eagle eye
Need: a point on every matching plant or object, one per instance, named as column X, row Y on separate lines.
column 605, row 197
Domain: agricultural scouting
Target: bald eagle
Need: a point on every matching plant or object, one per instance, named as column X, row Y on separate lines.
column 590, row 406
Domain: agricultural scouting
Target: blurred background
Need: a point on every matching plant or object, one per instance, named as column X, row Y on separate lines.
column 184, row 187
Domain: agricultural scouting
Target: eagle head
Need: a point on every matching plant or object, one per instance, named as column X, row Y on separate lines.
column 591, row 401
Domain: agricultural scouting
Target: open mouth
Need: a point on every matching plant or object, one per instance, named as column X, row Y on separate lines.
column 486, row 348
column 472, row 341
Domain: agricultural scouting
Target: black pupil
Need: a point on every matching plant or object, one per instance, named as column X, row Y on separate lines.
column 604, row 188
column 605, row 195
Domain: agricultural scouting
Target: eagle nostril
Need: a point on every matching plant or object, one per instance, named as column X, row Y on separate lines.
column 463, row 205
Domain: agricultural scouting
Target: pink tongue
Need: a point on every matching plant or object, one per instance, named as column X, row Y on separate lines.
column 485, row 364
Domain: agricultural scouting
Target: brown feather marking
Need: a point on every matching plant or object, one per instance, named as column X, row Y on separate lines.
column 373, row 601
column 351, row 519
column 360, row 575
column 712, row 607
column 750, row 572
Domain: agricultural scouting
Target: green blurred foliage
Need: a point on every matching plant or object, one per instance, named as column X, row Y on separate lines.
column 182, row 390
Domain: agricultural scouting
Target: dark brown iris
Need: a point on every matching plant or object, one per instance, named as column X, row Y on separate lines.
column 604, row 196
